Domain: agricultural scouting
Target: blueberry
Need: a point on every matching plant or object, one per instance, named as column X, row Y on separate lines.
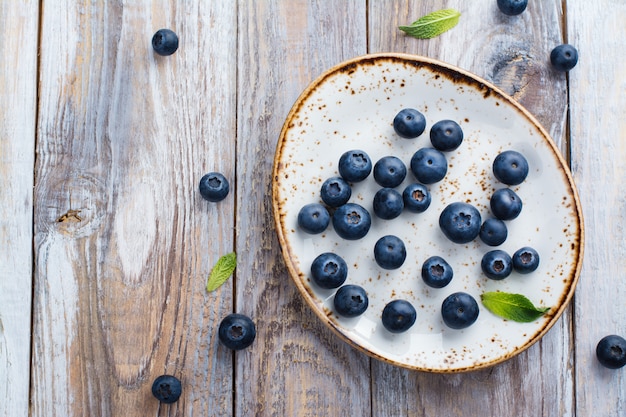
column 460, row 222
column 493, row 232
column 525, row 260
column 389, row 171
column 505, row 204
column 313, row 218
column 496, row 264
column 510, row 167
column 237, row 331
column 409, row 123
column 611, row 351
column 436, row 272
column 335, row 192
column 350, row 301
column 446, row 135
column 564, row 57
column 416, row 198
column 512, row 7
column 429, row 165
column 388, row 203
column 329, row 270
column 398, row 316
column 351, row 221
column 459, row 310
column 165, row 42
column 167, row 389
column 389, row 252
column 355, row 165
column 214, row 187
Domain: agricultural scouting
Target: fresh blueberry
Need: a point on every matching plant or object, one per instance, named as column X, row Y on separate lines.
column 351, row 221
column 355, row 165
column 350, row 301
column 416, row 198
column 313, row 218
column 446, row 135
column 564, row 57
column 429, row 165
column 335, row 192
column 165, row 42
column 510, row 167
column 496, row 264
column 512, row 7
column 505, row 204
column 237, row 331
column 167, row 389
column 493, row 232
column 525, row 260
column 214, row 187
column 388, row 203
column 329, row 270
column 611, row 351
column 409, row 123
column 398, row 316
column 459, row 310
column 389, row 252
column 436, row 272
column 460, row 222
column 389, row 171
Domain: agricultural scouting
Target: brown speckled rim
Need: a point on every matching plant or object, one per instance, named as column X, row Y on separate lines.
column 456, row 75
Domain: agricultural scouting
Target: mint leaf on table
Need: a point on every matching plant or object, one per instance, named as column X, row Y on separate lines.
column 222, row 270
column 515, row 307
column 433, row 24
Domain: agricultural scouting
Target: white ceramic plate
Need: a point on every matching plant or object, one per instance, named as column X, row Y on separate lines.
column 352, row 106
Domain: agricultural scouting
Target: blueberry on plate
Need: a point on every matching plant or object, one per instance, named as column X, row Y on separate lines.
column 611, row 351
column 335, row 192
column 329, row 270
column 459, row 310
column 167, row 389
column 389, row 252
column 436, row 272
column 355, row 165
column 512, row 7
column 237, row 331
column 388, row 203
column 389, row 171
column 398, row 316
column 446, row 135
column 409, row 123
column 429, row 165
column 505, row 204
column 510, row 167
column 350, row 301
column 564, row 57
column 313, row 218
column 460, row 222
column 165, row 42
column 214, row 187
column 351, row 221
column 416, row 198
column 493, row 232
column 525, row 260
column 496, row 264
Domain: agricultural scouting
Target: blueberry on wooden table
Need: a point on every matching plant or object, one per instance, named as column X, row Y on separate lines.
column 525, row 260
column 389, row 252
column 512, row 7
column 416, row 198
column 167, row 389
column 389, row 171
column 510, row 167
column 388, row 203
column 329, row 270
column 460, row 222
column 350, row 301
column 237, row 331
column 496, row 264
column 429, row 165
column 611, row 351
column 505, row 204
column 355, row 165
column 446, row 135
column 398, row 316
column 351, row 221
column 409, row 123
column 436, row 272
column 335, row 192
column 564, row 57
column 214, row 187
column 313, row 218
column 493, row 232
column 459, row 310
column 165, row 42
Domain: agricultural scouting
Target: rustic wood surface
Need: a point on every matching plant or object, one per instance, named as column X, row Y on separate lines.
column 105, row 243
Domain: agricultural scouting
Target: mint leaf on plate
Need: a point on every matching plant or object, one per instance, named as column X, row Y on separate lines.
column 515, row 307
column 222, row 270
column 433, row 24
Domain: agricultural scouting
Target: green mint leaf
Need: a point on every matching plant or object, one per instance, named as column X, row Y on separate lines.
column 433, row 24
column 222, row 270
column 515, row 307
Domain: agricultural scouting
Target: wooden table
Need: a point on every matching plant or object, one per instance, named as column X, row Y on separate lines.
column 106, row 244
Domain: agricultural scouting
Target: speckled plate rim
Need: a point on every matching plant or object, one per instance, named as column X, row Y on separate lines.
column 454, row 74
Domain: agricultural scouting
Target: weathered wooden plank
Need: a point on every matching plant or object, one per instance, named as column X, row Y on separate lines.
column 18, row 93
column 511, row 52
column 123, row 241
column 297, row 367
column 598, row 151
